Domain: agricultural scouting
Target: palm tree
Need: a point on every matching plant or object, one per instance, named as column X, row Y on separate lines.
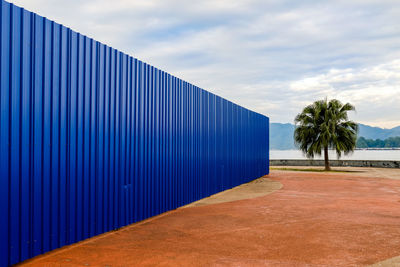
column 324, row 125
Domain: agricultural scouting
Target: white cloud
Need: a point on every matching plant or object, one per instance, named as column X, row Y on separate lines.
column 375, row 91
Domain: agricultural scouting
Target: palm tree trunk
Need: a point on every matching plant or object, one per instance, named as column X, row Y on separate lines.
column 327, row 167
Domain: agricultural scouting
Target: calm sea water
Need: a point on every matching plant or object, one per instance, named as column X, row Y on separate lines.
column 357, row 155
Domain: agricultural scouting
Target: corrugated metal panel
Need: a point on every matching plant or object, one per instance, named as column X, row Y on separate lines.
column 92, row 139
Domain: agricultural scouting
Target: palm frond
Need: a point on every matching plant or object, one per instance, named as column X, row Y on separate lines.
column 325, row 124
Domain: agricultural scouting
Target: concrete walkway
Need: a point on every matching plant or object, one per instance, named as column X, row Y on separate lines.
column 257, row 188
column 315, row 219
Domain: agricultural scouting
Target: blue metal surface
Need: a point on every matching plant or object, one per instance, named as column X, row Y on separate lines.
column 92, row 139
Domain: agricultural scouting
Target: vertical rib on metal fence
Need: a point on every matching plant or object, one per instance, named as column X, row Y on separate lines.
column 92, row 139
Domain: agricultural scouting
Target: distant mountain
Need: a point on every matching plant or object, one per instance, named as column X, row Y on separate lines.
column 370, row 132
column 281, row 134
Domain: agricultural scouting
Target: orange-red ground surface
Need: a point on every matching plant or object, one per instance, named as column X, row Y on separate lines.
column 316, row 219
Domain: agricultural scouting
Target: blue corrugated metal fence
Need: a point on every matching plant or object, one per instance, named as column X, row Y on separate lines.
column 92, row 139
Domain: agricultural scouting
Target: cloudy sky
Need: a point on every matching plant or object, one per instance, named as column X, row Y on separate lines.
column 271, row 56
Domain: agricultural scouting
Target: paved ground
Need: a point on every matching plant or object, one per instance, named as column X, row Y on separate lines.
column 257, row 188
column 315, row 219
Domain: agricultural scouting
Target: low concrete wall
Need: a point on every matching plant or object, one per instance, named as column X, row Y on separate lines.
column 336, row 163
